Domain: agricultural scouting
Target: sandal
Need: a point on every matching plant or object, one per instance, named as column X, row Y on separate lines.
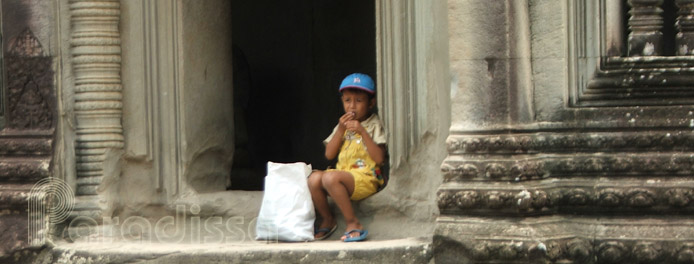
column 327, row 231
column 361, row 237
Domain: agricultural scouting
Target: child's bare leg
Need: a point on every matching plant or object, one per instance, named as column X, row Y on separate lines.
column 340, row 186
column 320, row 200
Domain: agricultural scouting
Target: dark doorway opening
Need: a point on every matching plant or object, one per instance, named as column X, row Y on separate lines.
column 289, row 59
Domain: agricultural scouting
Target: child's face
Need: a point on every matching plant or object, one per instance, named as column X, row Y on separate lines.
column 357, row 103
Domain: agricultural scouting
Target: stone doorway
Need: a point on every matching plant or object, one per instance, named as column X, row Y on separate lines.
column 289, row 58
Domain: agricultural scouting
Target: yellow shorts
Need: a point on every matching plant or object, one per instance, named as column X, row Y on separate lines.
column 364, row 185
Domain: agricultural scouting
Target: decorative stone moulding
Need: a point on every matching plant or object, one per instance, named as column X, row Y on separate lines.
column 579, row 250
column 15, row 197
column 459, row 169
column 647, row 76
column 642, row 81
column 578, row 240
column 25, row 146
column 572, row 142
column 586, row 197
column 26, row 170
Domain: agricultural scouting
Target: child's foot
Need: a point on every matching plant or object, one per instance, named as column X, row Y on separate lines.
column 326, row 229
column 351, row 227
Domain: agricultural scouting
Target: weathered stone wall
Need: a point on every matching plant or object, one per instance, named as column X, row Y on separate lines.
column 535, row 171
column 415, row 100
column 178, row 118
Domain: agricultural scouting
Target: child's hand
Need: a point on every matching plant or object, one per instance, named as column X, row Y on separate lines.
column 354, row 126
column 349, row 116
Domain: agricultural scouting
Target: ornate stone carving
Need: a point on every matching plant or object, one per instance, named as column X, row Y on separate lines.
column 512, row 251
column 685, row 253
column 495, row 171
column 578, row 250
column 496, row 199
column 29, row 84
column 610, row 197
column 524, row 200
column 550, row 199
column 466, row 199
column 577, row 196
column 679, row 197
column 481, row 251
column 444, row 199
column 611, row 252
column 557, row 166
column 546, row 246
column 96, row 62
column 647, row 252
column 26, row 44
column 641, row 198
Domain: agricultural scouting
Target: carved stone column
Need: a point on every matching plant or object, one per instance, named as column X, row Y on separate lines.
column 645, row 24
column 96, row 60
column 685, row 27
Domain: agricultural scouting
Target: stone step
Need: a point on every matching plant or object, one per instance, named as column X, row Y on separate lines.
column 407, row 250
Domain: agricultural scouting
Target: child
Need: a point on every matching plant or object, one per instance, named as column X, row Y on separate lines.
column 360, row 140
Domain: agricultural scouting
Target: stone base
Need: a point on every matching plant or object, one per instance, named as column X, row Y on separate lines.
column 410, row 250
column 564, row 239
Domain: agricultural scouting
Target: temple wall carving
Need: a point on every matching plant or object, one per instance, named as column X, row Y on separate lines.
column 602, row 171
column 29, row 115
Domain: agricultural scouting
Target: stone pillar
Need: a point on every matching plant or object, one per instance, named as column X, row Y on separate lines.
column 96, row 60
column 645, row 23
column 685, row 28
column 614, row 33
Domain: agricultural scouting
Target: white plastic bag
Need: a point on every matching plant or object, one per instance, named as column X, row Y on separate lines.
column 287, row 210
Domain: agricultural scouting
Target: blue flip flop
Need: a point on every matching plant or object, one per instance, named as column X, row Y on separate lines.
column 327, row 231
column 361, row 237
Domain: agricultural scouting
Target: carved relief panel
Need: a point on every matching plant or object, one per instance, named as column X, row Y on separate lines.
column 27, row 118
column 29, row 84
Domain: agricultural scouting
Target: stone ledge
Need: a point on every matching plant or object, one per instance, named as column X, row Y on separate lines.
column 408, row 250
column 658, row 196
column 12, row 146
column 562, row 141
column 564, row 239
column 27, row 170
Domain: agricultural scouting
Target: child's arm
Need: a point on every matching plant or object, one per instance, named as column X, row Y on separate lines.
column 376, row 152
column 333, row 146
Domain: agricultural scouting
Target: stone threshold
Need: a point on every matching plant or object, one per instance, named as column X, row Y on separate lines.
column 407, row 250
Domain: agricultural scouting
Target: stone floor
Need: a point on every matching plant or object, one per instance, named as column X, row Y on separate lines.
column 227, row 220
column 407, row 250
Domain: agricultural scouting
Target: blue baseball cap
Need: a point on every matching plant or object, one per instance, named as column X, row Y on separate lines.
column 358, row 81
